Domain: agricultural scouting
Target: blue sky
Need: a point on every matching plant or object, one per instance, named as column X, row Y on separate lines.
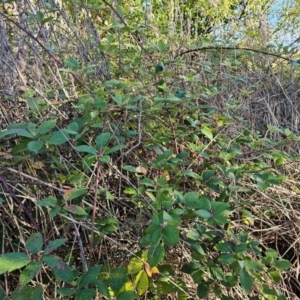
column 286, row 36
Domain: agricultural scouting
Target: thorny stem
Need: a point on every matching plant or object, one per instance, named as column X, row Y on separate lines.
column 97, row 179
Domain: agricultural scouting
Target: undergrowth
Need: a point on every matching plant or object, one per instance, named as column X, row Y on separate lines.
column 132, row 168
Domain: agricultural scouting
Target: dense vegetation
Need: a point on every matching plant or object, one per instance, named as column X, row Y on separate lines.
column 149, row 150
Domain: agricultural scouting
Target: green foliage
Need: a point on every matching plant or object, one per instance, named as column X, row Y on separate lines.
column 61, row 271
column 151, row 127
column 12, row 261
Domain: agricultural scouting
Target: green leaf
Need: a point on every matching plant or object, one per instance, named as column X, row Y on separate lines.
column 50, row 201
column 117, row 278
column 226, row 259
column 70, row 131
column 271, row 253
column 74, row 193
column 148, row 182
column 53, row 245
column 159, row 67
column 128, row 295
column 220, row 208
column 165, row 286
column 166, row 270
column 66, row 291
column 23, row 132
column 275, row 275
column 28, row 292
column 269, row 291
column 203, row 290
column 86, row 149
column 105, row 158
column 230, row 280
column 170, row 235
column 75, row 209
column 35, row 146
column 130, row 168
column 253, row 265
column 130, row 191
column 58, row 138
column 280, row 297
column 72, row 63
column 102, row 139
column 224, row 247
column 53, row 212
column 85, row 294
column 32, row 129
column 156, row 235
column 217, row 273
column 193, row 234
column 203, row 213
column 73, row 127
column 145, row 240
column 18, row 131
column 47, row 126
column 246, row 281
column 222, row 220
column 190, row 174
column 198, row 276
column 282, row 264
column 205, row 203
column 114, row 149
column 160, row 45
column 118, row 98
column 198, row 248
column 33, row 104
column 155, row 255
column 13, row 261
column 207, row 174
column 111, row 83
column 60, row 269
column 102, row 288
column 191, row 200
column 162, row 87
column 35, row 242
column 2, row 293
column 65, row 70
column 207, row 132
column 230, row 298
column 141, row 282
column 190, row 267
column 90, row 276
column 217, row 290
column 166, row 217
column 39, row 16
column 214, row 184
column 135, row 265
column 240, row 248
column 45, row 20
column 180, row 93
column 29, row 272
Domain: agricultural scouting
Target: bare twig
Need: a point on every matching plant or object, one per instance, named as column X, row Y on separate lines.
column 34, row 179
column 97, row 179
column 232, row 49
column 55, row 58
